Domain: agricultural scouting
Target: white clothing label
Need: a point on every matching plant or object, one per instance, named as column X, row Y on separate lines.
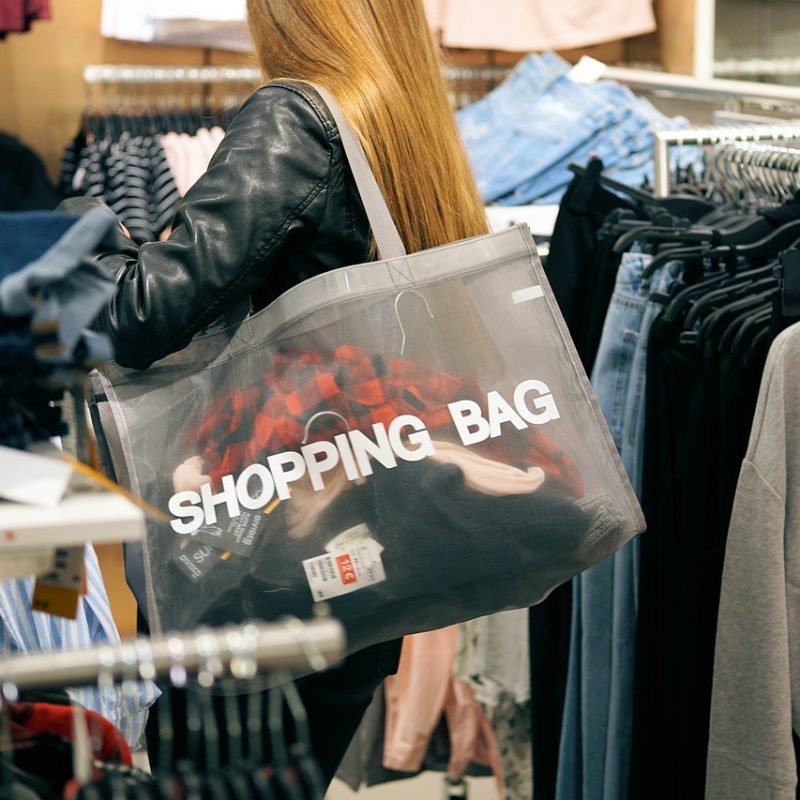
column 359, row 534
column 345, row 571
column 587, row 70
column 531, row 293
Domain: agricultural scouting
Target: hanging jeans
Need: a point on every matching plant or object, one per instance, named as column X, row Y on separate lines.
column 592, row 765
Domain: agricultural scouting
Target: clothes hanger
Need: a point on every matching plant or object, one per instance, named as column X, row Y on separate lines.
column 715, row 324
column 284, row 772
column 788, row 274
column 236, row 781
column 732, row 330
column 665, row 234
column 397, row 313
column 685, row 298
column 770, row 246
column 761, row 339
column 749, row 329
column 680, row 205
column 729, row 294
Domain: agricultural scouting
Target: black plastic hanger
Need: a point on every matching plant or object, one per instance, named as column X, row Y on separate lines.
column 770, row 246
column 761, row 339
column 749, row 329
column 680, row 205
column 285, row 773
column 714, row 325
column 724, row 296
column 685, row 298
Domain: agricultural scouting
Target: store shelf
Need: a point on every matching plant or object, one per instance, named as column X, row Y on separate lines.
column 540, row 219
column 19, row 564
column 97, row 517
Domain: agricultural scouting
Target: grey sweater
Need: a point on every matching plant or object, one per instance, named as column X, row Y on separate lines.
column 756, row 696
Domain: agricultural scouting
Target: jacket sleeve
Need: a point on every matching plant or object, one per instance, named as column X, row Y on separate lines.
column 265, row 185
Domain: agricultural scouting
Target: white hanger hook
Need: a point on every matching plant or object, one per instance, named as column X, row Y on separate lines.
column 317, row 416
column 397, row 313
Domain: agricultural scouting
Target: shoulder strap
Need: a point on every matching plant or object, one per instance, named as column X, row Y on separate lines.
column 390, row 245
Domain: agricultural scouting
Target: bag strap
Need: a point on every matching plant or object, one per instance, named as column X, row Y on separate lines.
column 390, row 245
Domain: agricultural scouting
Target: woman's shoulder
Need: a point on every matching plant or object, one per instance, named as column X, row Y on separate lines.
column 291, row 101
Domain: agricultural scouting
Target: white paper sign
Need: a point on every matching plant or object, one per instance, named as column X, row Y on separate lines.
column 32, row 479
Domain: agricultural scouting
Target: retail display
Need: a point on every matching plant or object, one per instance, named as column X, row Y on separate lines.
column 141, row 164
column 367, row 404
column 522, row 136
column 54, row 750
column 50, row 292
column 454, row 449
column 197, row 24
column 676, row 370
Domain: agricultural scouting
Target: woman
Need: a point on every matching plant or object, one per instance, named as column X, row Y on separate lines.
column 279, row 205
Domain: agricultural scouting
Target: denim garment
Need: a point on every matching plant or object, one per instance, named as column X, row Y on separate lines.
column 482, row 119
column 42, row 230
column 612, row 145
column 599, row 684
column 549, row 128
column 25, row 631
column 632, row 451
column 62, row 289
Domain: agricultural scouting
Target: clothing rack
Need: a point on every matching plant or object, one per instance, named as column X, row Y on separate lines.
column 99, row 74
column 112, row 73
column 763, row 169
column 732, row 93
column 738, row 67
column 240, row 651
column 705, row 136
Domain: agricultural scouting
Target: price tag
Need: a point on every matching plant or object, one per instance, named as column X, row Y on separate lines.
column 58, row 591
column 345, row 571
column 587, row 70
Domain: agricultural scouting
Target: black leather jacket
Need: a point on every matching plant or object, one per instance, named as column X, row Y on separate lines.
column 277, row 205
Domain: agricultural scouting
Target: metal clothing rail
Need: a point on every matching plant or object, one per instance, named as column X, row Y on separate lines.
column 710, row 88
column 761, row 169
column 238, row 651
column 704, row 136
column 113, row 73
column 738, row 67
column 122, row 73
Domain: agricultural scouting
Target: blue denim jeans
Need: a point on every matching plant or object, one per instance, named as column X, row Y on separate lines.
column 538, row 133
column 61, row 287
column 523, row 135
column 632, row 449
column 596, row 734
column 513, row 97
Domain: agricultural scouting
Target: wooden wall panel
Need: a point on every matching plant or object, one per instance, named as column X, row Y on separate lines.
column 41, row 85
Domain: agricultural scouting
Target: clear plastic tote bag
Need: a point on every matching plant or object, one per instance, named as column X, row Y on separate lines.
column 411, row 441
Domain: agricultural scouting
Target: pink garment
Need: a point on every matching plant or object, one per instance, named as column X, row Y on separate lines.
column 417, row 696
column 525, row 25
column 16, row 16
column 484, row 475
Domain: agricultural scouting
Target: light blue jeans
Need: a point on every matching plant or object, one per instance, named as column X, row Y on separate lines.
column 596, row 733
column 545, row 129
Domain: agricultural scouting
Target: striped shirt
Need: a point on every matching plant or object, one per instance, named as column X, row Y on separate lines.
column 23, row 631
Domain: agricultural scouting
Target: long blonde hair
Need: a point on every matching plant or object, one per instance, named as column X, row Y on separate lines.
column 378, row 59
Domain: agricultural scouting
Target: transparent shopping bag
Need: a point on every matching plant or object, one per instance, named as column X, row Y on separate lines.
column 411, row 441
